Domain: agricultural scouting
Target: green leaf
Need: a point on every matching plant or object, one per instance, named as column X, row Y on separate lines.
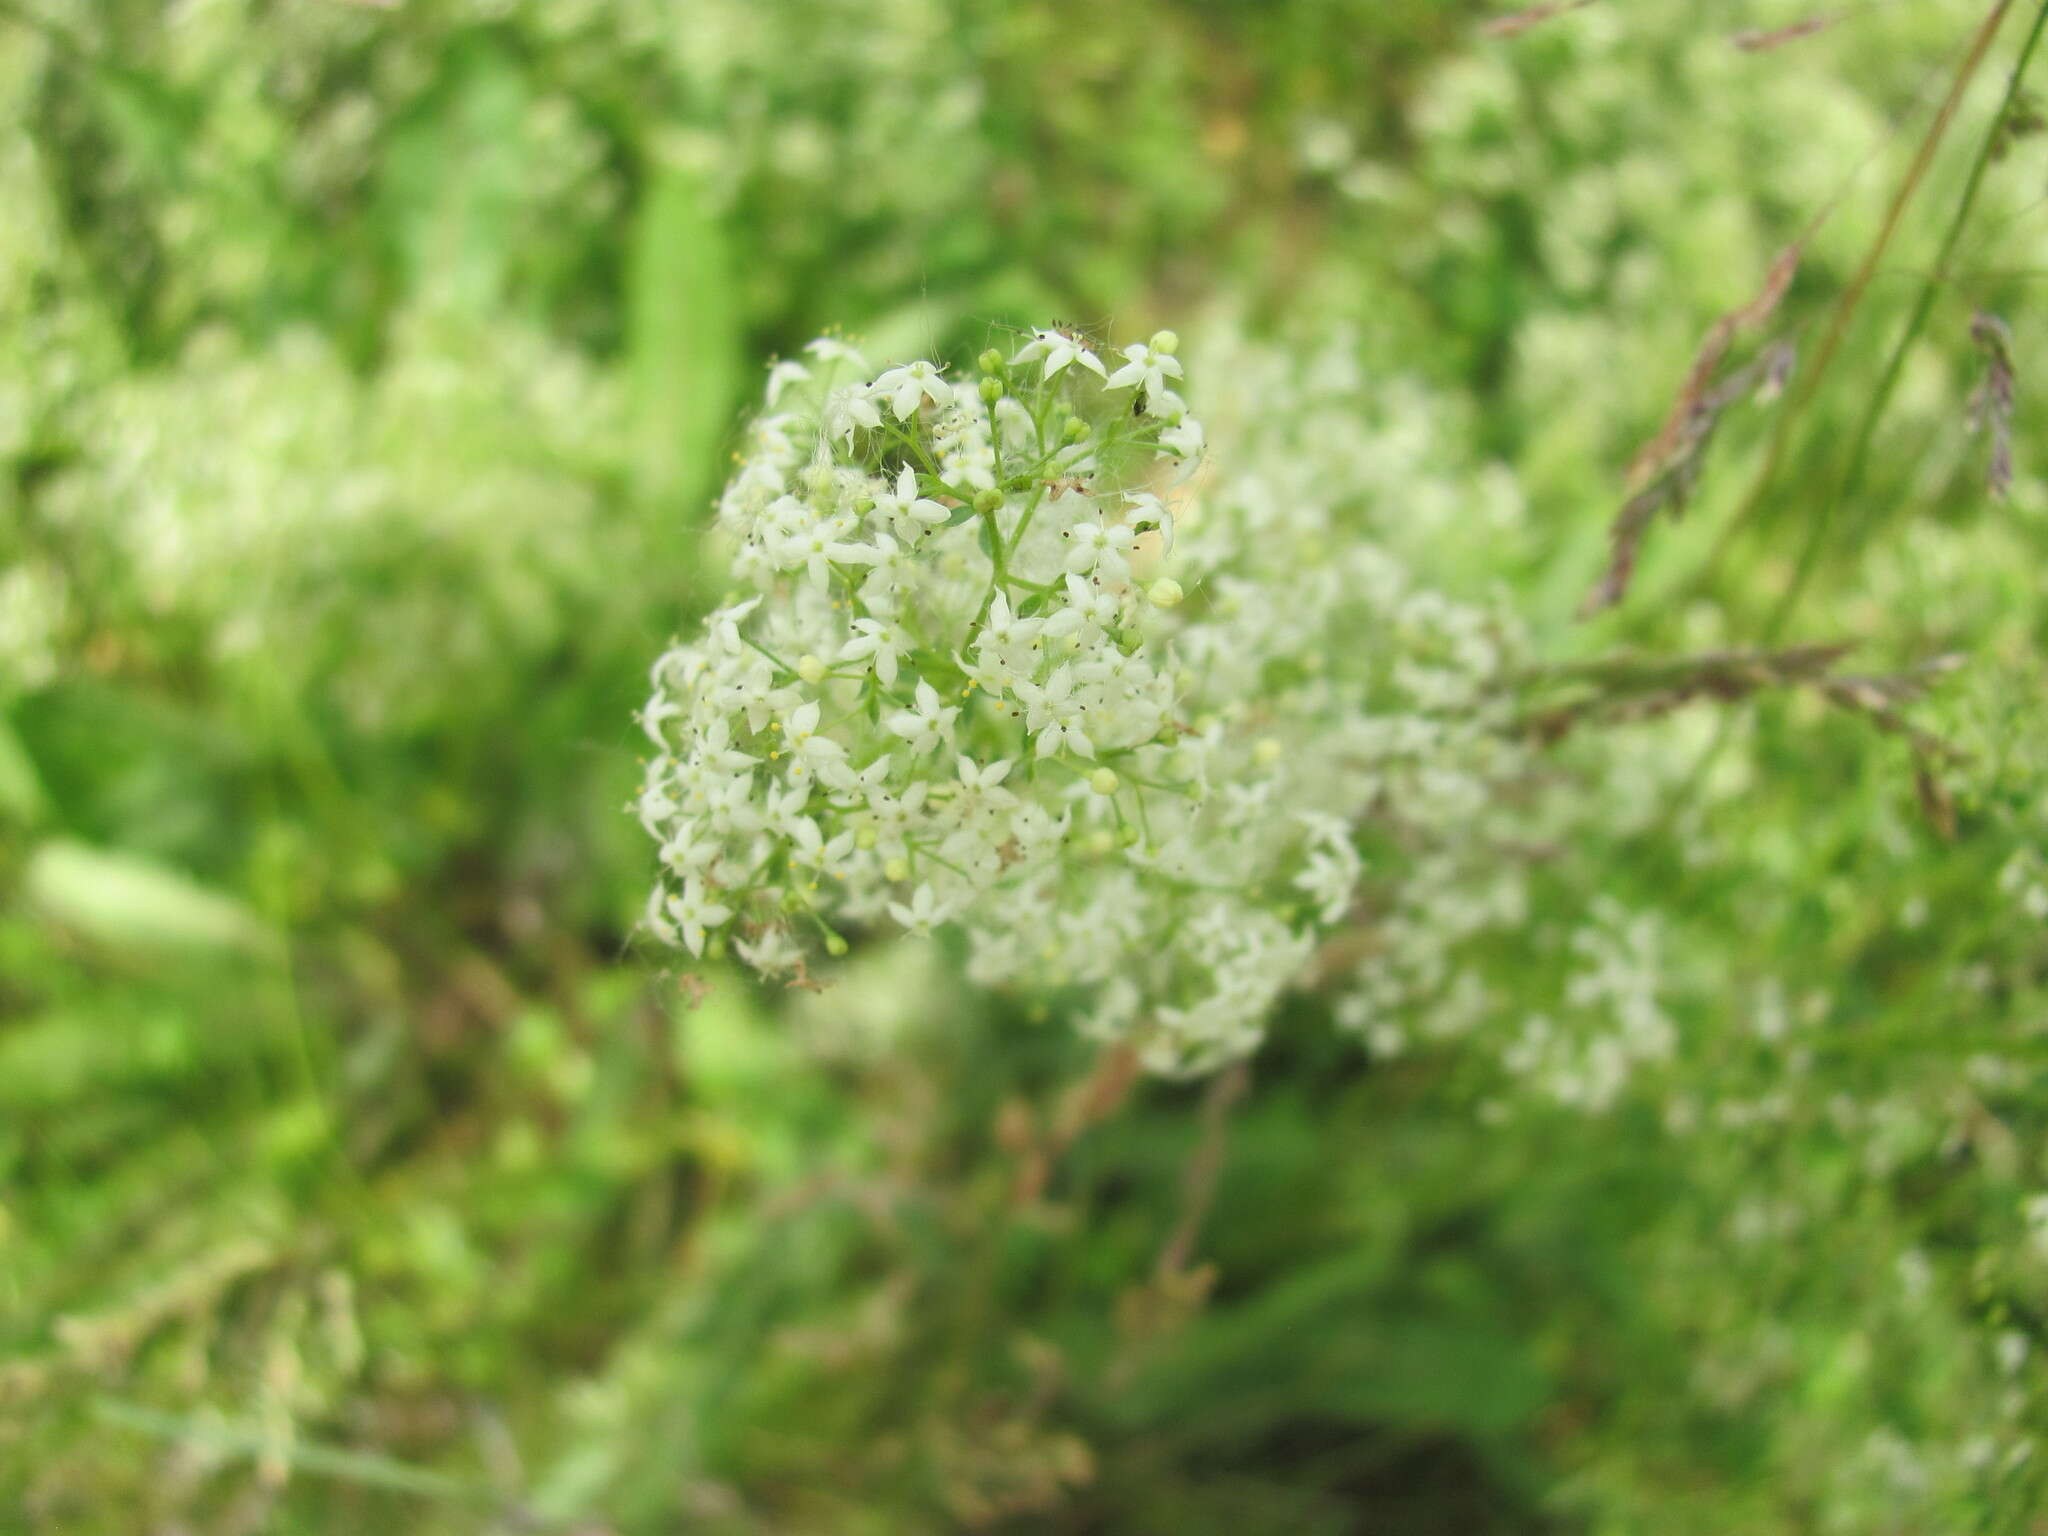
column 22, row 797
column 133, row 904
column 453, row 183
column 684, row 337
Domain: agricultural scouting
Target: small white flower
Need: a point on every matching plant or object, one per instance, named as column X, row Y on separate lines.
column 1002, row 628
column 1185, row 437
column 810, row 752
column 770, row 951
column 1147, row 512
column 1053, row 715
column 784, row 374
column 692, row 913
column 924, row 913
column 880, row 644
column 929, row 725
column 907, row 512
column 984, row 779
column 1059, row 352
column 1101, row 548
column 907, row 388
column 830, row 349
column 811, row 545
column 811, row 850
column 847, row 410
column 1145, row 368
column 879, row 553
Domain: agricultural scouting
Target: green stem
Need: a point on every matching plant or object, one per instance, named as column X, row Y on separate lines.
column 1852, row 299
column 1867, row 429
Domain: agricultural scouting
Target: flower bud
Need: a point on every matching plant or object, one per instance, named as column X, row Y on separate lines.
column 896, row 869
column 988, row 501
column 1077, row 430
column 1104, row 781
column 991, row 391
column 1165, row 593
column 1165, row 341
column 990, row 361
column 810, row 669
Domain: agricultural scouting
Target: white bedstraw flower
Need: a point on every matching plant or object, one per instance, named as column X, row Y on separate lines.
column 1145, row 368
column 924, row 912
column 1102, row 548
column 909, row 387
column 1059, row 351
column 848, row 410
column 692, row 914
column 1053, row 714
column 983, row 781
column 878, row 643
column 908, row 513
column 927, row 726
column 784, row 374
column 810, row 752
column 830, row 349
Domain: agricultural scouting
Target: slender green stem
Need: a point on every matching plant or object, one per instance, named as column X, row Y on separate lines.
column 1866, row 430
column 1859, row 285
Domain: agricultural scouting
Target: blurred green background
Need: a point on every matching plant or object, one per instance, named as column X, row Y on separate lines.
column 367, row 374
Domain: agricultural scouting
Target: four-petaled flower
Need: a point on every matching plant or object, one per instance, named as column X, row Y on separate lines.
column 925, row 911
column 784, row 374
column 1053, row 714
column 1103, row 548
column 880, row 643
column 910, row 513
column 1148, row 369
column 928, row 725
column 908, row 387
column 810, row 752
column 1059, row 351
column 692, row 912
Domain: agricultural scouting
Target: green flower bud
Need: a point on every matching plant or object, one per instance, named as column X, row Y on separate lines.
column 991, row 391
column 1165, row 593
column 990, row 361
column 1165, row 341
column 1104, row 781
column 988, row 501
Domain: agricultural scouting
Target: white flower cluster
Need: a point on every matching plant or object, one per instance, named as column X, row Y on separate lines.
column 1008, row 655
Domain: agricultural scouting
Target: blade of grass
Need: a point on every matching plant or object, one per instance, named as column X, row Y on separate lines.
column 1851, row 301
column 1923, row 305
column 361, row 1467
column 1966, row 71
